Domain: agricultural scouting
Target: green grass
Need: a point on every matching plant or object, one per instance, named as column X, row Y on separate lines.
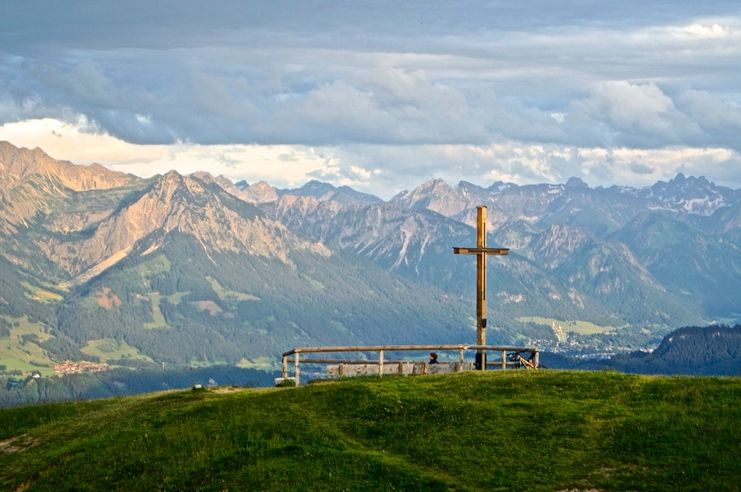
column 151, row 268
column 264, row 363
column 227, row 294
column 109, row 349
column 158, row 319
column 40, row 294
column 20, row 351
column 177, row 297
column 512, row 430
column 578, row 326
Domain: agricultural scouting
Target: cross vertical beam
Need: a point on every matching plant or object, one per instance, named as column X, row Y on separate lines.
column 481, row 277
column 480, row 251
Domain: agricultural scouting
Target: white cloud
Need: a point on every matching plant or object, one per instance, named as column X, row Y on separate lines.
column 635, row 114
column 715, row 31
column 379, row 169
column 78, row 142
column 282, row 165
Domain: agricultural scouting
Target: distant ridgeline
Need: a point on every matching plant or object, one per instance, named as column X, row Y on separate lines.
column 120, row 271
column 709, row 350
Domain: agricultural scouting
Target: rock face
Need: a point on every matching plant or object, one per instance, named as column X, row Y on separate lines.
column 435, row 195
column 31, row 182
column 323, row 192
column 260, row 192
column 20, row 164
column 184, row 204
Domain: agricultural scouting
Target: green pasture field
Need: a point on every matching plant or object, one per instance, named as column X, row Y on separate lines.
column 510, row 430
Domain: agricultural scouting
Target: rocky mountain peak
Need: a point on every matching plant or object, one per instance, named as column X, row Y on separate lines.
column 575, row 183
column 324, row 192
column 173, row 187
column 173, row 175
column 204, row 176
column 314, row 188
column 31, row 182
column 432, row 187
column 472, row 192
column 222, row 181
column 500, row 186
column 260, row 192
column 690, row 195
column 20, row 164
column 436, row 185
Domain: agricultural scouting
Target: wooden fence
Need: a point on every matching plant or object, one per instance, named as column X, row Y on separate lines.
column 509, row 357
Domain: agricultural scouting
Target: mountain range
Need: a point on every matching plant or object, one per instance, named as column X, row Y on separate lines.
column 707, row 350
column 197, row 269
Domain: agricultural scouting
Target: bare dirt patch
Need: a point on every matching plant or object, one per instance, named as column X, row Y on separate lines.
column 17, row 443
column 228, row 389
column 210, row 306
column 106, row 298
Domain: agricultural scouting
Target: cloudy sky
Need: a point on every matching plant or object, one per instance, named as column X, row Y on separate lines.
column 379, row 95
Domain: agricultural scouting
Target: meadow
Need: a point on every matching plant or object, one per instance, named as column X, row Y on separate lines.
column 545, row 430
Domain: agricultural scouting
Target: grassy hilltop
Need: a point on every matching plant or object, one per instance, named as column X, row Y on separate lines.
column 548, row 430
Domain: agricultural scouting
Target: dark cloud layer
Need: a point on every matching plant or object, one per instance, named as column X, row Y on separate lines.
column 584, row 74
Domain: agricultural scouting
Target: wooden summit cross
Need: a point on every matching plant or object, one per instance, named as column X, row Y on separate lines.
column 480, row 251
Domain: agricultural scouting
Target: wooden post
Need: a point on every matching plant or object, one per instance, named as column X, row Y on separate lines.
column 380, row 363
column 481, row 283
column 536, row 359
column 504, row 359
column 284, row 367
column 296, row 370
column 461, row 358
column 481, row 251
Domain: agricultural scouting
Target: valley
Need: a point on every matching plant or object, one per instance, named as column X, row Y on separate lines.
column 197, row 270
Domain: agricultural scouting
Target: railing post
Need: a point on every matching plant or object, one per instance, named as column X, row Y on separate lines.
column 284, row 367
column 296, row 370
column 504, row 359
column 380, row 363
column 461, row 354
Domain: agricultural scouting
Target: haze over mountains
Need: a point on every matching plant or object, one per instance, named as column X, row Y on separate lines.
column 196, row 269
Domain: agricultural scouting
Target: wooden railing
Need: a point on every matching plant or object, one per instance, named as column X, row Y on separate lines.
column 516, row 359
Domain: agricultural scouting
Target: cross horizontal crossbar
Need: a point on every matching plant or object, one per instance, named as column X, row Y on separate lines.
column 478, row 251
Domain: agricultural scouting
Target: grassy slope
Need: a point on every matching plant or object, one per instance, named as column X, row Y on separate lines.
column 513, row 430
